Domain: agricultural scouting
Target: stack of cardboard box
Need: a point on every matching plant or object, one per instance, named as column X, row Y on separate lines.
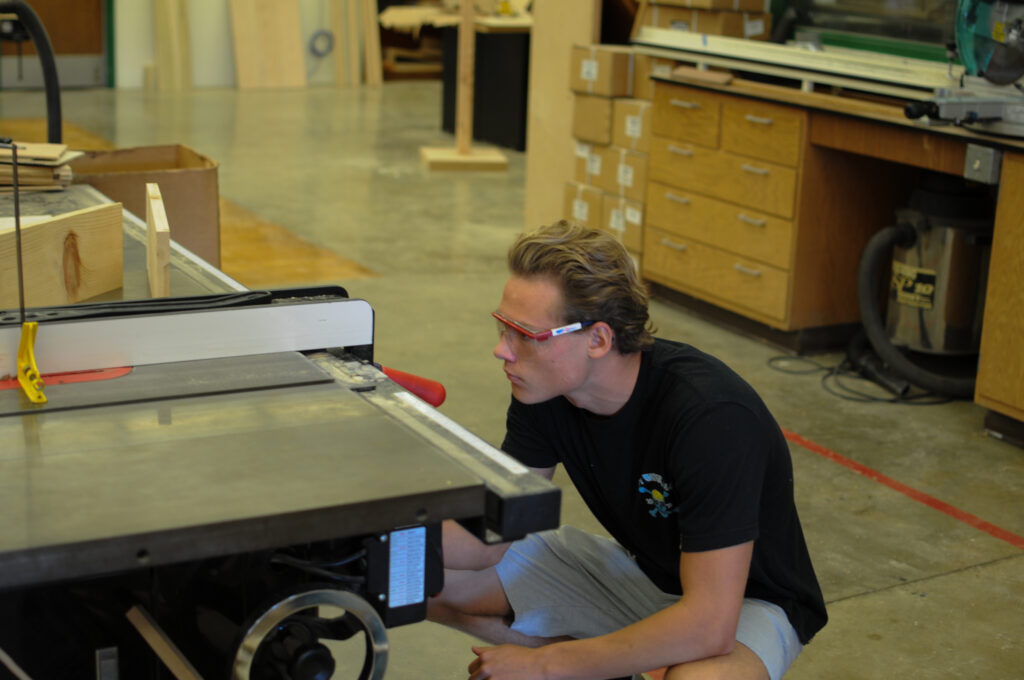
column 612, row 129
column 734, row 18
column 611, row 126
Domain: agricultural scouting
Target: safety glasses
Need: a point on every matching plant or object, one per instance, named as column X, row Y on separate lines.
column 505, row 324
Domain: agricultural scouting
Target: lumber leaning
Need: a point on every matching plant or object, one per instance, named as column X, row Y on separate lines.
column 69, row 258
column 557, row 26
column 268, row 44
column 164, row 647
column 371, row 43
column 158, row 243
column 173, row 50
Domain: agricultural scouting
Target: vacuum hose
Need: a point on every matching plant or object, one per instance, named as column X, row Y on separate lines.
column 875, row 257
column 37, row 32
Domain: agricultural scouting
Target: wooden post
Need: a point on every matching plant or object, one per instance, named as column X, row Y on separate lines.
column 464, row 156
column 466, row 79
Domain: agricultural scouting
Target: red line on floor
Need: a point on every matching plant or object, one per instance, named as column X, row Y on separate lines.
column 919, row 496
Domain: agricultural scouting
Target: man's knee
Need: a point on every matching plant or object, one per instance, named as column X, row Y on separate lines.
column 740, row 664
column 478, row 593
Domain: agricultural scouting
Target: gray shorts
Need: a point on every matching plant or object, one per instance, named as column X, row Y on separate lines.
column 567, row 582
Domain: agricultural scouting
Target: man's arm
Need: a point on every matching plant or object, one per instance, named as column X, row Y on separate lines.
column 701, row 624
column 463, row 550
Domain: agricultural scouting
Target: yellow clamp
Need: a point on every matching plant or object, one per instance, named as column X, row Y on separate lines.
column 28, row 374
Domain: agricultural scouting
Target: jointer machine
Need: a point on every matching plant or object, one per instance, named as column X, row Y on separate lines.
column 225, row 486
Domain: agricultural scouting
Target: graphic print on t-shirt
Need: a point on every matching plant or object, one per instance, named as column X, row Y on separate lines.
column 656, row 493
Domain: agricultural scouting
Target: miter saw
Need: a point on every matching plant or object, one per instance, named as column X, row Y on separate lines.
column 990, row 42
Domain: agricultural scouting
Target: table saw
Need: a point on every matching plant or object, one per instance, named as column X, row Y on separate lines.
column 225, row 483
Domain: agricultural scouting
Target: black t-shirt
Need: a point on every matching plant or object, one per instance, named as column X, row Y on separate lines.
column 693, row 462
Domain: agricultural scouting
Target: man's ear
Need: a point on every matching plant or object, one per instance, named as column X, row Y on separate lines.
column 600, row 340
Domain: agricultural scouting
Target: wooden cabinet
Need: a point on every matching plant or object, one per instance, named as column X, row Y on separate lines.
column 778, row 223
column 1000, row 384
column 721, row 199
column 763, row 206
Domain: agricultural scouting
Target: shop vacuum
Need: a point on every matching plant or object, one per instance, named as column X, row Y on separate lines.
column 929, row 333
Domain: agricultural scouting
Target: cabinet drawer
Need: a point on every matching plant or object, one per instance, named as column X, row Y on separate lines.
column 756, row 184
column 686, row 114
column 761, row 130
column 755, row 289
column 740, row 230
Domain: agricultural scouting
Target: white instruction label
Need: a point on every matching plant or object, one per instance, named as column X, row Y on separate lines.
column 634, row 126
column 407, row 572
column 580, row 210
column 588, row 70
column 633, row 216
column 753, row 27
column 582, row 150
column 594, row 165
column 625, row 175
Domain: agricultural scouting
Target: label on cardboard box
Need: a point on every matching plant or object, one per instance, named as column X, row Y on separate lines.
column 633, row 216
column 625, row 175
column 583, row 149
column 593, row 164
column 753, row 27
column 634, row 126
column 661, row 69
column 580, row 210
column 588, row 69
column 617, row 222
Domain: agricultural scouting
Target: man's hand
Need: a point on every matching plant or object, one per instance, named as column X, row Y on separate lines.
column 506, row 662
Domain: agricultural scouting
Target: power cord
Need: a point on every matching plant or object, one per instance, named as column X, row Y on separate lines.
column 832, row 381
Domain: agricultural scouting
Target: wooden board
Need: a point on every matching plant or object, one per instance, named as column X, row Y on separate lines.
column 158, row 243
column 268, row 44
column 28, row 152
column 163, row 646
column 173, row 51
column 70, row 258
column 35, row 175
column 450, row 158
column 550, row 161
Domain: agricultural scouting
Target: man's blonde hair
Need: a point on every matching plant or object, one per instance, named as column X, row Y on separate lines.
column 596, row 275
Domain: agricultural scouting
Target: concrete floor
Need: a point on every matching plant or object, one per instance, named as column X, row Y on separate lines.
column 914, row 590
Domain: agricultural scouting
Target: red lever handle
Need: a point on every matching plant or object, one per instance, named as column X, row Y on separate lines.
column 428, row 390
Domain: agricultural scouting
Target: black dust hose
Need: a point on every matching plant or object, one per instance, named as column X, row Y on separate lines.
column 877, row 254
column 28, row 17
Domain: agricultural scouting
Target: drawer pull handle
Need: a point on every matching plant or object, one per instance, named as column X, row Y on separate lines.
column 746, row 270
column 747, row 167
column 678, row 199
column 673, row 245
column 751, row 220
column 759, row 120
column 683, row 104
column 680, row 151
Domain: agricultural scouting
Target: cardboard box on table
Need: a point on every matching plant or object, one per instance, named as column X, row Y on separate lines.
column 188, row 184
